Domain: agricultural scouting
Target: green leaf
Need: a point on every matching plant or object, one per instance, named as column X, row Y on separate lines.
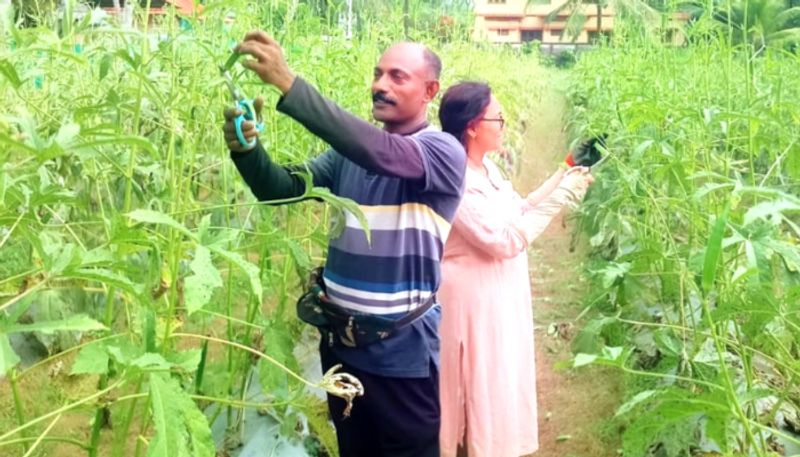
column 170, row 440
column 200, row 286
column 252, row 271
column 8, row 358
column 714, row 249
column 186, row 361
column 767, row 209
column 132, row 141
column 104, row 276
column 123, row 352
column 92, row 359
column 613, row 272
column 67, row 257
column 7, row 69
column 342, row 205
column 278, row 344
column 151, row 361
column 105, row 65
column 78, row 322
column 155, row 217
column 638, row 398
column 583, row 359
column 299, row 255
column 149, row 330
column 201, row 443
column 612, row 353
column 181, row 429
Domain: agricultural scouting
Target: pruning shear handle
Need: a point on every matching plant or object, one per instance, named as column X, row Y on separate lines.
column 248, row 114
column 245, row 105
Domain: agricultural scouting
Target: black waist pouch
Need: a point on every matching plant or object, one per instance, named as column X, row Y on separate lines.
column 351, row 328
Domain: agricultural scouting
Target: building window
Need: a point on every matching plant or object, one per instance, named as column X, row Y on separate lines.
column 496, row 1
column 531, row 35
column 502, row 32
column 557, row 34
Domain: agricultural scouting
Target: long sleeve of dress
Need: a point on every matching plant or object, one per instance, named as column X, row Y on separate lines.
column 480, row 225
column 533, row 221
column 500, row 223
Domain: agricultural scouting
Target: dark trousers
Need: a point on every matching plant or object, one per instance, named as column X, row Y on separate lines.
column 396, row 417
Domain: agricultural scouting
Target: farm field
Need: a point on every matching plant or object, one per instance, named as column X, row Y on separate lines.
column 147, row 299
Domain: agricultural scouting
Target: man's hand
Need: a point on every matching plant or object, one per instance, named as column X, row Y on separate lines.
column 248, row 128
column 269, row 63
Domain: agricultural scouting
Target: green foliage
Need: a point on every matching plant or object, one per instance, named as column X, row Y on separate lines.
column 119, row 202
column 693, row 223
column 181, row 429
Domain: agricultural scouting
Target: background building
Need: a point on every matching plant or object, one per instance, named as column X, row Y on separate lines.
column 521, row 21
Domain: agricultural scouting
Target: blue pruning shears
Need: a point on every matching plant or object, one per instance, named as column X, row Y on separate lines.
column 243, row 103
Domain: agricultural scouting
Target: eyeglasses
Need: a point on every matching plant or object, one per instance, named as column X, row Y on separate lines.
column 499, row 119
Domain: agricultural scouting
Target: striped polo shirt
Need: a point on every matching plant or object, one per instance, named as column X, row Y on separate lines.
column 396, row 269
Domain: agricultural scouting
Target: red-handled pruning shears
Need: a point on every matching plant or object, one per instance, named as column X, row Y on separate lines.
column 243, row 103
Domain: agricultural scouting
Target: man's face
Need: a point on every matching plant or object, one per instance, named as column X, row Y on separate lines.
column 402, row 85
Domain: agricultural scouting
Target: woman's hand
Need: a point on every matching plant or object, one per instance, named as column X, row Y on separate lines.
column 577, row 180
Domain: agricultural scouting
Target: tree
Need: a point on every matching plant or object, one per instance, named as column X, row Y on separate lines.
column 639, row 11
column 761, row 22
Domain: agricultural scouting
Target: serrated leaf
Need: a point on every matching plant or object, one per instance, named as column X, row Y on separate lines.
column 252, row 271
column 613, row 272
column 278, row 344
column 299, row 255
column 92, row 359
column 78, row 322
column 181, row 429
column 200, row 286
column 8, row 358
column 169, row 440
column 201, row 443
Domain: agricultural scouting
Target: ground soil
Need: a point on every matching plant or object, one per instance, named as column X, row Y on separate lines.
column 575, row 405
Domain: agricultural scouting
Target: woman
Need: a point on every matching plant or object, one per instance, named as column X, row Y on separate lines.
column 487, row 381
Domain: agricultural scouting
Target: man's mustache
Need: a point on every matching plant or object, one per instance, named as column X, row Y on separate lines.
column 380, row 97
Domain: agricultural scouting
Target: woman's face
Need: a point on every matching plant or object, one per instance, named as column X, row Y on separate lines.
column 487, row 134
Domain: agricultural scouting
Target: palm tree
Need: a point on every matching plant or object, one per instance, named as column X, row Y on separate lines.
column 637, row 10
column 762, row 22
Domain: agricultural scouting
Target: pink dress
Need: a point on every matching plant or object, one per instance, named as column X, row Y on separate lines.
column 488, row 377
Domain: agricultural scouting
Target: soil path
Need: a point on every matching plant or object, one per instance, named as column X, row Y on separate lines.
column 574, row 405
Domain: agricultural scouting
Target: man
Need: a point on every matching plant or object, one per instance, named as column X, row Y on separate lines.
column 407, row 179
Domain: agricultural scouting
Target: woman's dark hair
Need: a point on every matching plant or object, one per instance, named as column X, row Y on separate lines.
column 462, row 106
